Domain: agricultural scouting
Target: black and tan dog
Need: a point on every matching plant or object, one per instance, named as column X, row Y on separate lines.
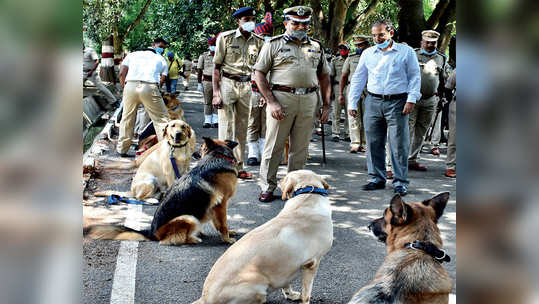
column 199, row 196
column 412, row 271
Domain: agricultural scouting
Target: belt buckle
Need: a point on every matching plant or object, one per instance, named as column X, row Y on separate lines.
column 245, row 78
column 300, row 91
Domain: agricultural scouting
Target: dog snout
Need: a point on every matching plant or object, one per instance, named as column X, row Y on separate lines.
column 178, row 136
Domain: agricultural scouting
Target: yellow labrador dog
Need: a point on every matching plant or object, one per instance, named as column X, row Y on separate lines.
column 156, row 173
column 274, row 254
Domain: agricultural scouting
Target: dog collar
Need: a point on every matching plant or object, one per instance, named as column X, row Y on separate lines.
column 429, row 248
column 310, row 189
column 178, row 146
column 231, row 160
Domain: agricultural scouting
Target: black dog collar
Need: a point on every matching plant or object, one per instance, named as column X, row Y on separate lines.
column 310, row 189
column 430, row 249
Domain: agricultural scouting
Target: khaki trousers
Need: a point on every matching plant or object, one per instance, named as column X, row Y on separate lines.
column 234, row 115
column 257, row 119
column 419, row 122
column 451, row 161
column 135, row 93
column 298, row 124
column 337, row 109
column 208, row 96
column 355, row 124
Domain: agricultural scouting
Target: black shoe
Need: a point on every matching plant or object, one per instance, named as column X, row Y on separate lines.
column 206, row 125
column 252, row 161
column 122, row 154
column 347, row 139
column 335, row 138
column 373, row 186
column 215, row 125
column 329, row 122
column 401, row 190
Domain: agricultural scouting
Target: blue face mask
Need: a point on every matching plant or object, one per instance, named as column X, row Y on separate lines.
column 359, row 51
column 267, row 38
column 299, row 35
column 427, row 53
column 159, row 50
column 212, row 48
column 384, row 44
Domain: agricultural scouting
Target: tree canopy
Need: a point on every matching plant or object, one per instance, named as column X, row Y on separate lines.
column 186, row 24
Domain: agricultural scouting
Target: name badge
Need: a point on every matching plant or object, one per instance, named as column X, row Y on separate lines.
column 314, row 51
column 284, row 50
column 235, row 46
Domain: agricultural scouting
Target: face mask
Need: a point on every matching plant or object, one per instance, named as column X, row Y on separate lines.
column 384, row 44
column 359, row 51
column 212, row 48
column 159, row 50
column 248, row 26
column 427, row 53
column 300, row 35
column 344, row 52
column 267, row 38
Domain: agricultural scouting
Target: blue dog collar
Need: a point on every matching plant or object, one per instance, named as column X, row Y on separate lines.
column 310, row 189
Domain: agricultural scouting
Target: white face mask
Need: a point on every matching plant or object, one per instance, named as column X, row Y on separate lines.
column 248, row 26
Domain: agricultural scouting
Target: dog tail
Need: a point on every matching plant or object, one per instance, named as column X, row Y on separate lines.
column 114, row 232
column 112, row 192
column 120, row 165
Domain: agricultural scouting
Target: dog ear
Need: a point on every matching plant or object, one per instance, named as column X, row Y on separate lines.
column 438, row 203
column 188, row 131
column 210, row 144
column 165, row 131
column 399, row 210
column 231, row 144
column 326, row 185
column 287, row 186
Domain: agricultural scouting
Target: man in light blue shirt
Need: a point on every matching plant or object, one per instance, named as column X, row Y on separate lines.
column 391, row 72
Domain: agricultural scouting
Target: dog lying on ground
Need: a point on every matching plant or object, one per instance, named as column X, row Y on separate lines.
column 199, row 196
column 272, row 255
column 412, row 271
column 156, row 173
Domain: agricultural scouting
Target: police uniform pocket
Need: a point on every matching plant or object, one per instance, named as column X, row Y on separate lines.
column 284, row 58
column 233, row 54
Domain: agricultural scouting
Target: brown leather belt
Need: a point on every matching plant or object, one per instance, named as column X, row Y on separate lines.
column 297, row 91
column 206, row 77
column 240, row 78
column 390, row 97
column 254, row 87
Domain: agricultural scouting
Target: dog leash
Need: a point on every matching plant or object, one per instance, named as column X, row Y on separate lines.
column 429, row 248
column 311, row 189
column 173, row 160
column 115, row 199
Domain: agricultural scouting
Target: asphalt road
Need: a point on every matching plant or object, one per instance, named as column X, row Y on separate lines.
column 176, row 274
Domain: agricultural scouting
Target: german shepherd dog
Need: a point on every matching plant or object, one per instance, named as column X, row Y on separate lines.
column 200, row 195
column 412, row 271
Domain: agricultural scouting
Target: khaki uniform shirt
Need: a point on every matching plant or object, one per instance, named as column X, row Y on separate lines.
column 337, row 64
column 205, row 63
column 350, row 65
column 431, row 67
column 88, row 59
column 235, row 54
column 292, row 65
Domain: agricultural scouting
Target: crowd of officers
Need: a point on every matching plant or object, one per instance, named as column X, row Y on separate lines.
column 265, row 91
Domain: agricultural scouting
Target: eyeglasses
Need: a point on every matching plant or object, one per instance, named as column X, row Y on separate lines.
column 295, row 23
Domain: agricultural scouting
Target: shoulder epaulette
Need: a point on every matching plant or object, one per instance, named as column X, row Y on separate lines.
column 276, row 37
column 319, row 42
column 257, row 36
column 226, row 33
column 442, row 54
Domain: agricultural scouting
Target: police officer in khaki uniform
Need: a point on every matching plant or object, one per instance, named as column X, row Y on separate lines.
column 256, row 130
column 357, row 132
column 339, row 105
column 235, row 54
column 434, row 71
column 297, row 68
column 205, row 86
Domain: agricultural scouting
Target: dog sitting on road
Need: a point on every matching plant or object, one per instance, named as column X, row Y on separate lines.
column 412, row 271
column 174, row 107
column 200, row 195
column 274, row 254
column 156, row 172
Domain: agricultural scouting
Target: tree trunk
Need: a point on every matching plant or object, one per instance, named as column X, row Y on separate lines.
column 434, row 19
column 411, row 22
column 336, row 26
column 445, row 26
column 353, row 22
column 318, row 20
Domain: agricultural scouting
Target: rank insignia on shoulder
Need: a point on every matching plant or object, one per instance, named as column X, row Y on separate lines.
column 314, row 51
column 284, row 50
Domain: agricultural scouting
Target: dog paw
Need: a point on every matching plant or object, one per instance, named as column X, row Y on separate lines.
column 229, row 240
column 232, row 232
column 193, row 240
column 291, row 294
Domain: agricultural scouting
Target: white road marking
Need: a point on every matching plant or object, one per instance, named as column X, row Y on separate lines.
column 123, row 285
column 452, row 298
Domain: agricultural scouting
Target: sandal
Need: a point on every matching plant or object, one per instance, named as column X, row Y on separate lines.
column 245, row 175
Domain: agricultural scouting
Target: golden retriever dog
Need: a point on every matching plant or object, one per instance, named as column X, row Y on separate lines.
column 276, row 253
column 156, row 173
